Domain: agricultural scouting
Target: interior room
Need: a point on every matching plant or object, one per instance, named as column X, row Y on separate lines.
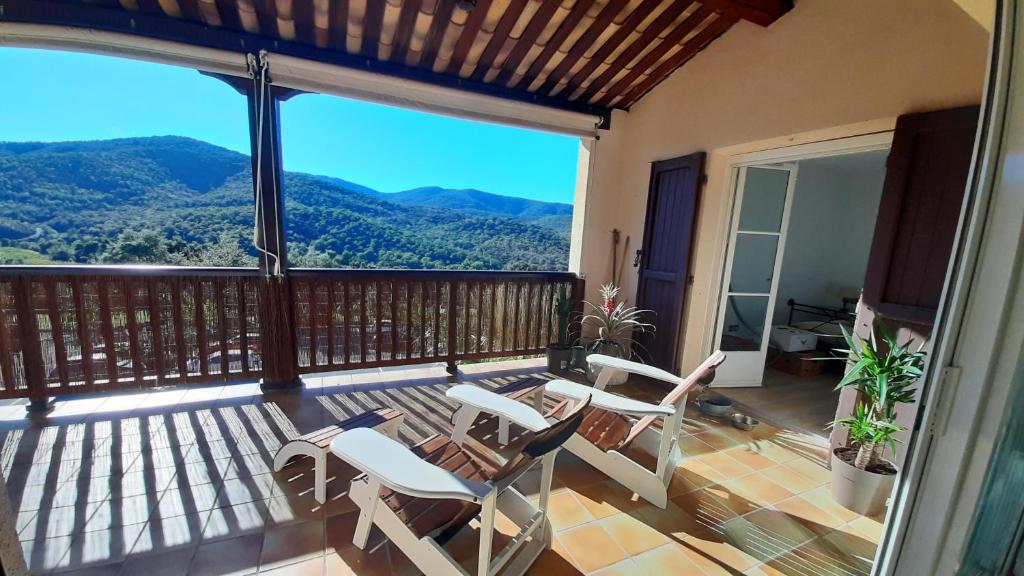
column 827, row 241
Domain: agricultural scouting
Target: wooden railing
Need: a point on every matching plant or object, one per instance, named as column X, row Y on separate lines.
column 76, row 329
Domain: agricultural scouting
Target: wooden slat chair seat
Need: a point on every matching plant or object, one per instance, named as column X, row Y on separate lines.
column 317, row 444
column 446, row 484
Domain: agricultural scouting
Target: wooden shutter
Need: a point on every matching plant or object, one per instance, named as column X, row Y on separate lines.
column 919, row 213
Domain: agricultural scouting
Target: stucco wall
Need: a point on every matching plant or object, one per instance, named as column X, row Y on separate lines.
column 827, row 69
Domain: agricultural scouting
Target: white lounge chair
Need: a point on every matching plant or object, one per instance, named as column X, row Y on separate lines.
column 613, row 423
column 422, row 496
column 316, row 444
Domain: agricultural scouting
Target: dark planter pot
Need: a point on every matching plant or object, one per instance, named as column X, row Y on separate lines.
column 559, row 358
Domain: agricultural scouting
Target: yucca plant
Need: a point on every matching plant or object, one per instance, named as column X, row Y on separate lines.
column 614, row 324
column 885, row 373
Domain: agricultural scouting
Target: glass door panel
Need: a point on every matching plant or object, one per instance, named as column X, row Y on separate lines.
column 756, row 242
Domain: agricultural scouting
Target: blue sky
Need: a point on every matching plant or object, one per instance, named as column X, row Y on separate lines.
column 70, row 96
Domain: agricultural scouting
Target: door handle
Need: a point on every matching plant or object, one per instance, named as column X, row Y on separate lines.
column 636, row 259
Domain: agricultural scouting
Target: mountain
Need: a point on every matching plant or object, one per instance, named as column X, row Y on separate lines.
column 177, row 200
column 470, row 201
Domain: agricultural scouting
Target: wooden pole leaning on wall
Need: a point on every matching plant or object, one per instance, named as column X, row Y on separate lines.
column 31, row 348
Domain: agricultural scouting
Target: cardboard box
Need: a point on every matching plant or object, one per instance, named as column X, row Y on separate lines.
column 800, row 364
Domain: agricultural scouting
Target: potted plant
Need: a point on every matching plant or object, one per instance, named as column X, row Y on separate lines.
column 884, row 372
column 560, row 351
column 614, row 325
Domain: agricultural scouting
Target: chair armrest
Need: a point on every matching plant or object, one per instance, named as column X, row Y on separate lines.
column 606, row 400
column 487, row 401
column 398, row 468
column 603, row 361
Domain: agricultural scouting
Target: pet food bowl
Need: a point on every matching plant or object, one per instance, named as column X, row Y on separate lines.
column 716, row 406
column 744, row 422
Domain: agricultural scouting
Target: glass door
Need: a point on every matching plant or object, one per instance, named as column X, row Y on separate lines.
column 753, row 261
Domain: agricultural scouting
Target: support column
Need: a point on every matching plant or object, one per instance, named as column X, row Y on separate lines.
column 277, row 326
column 31, row 352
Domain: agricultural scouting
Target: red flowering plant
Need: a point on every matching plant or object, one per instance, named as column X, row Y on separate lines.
column 614, row 324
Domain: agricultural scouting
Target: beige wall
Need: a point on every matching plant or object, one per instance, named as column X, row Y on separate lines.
column 827, row 69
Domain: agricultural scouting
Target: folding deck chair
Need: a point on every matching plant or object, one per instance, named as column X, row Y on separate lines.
column 422, row 496
column 316, row 444
column 613, row 423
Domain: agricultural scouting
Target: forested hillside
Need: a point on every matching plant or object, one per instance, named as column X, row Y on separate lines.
column 175, row 200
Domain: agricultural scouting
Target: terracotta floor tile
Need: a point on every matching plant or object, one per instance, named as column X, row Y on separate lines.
column 338, row 532
column 815, row 558
column 756, row 491
column 815, row 471
column 283, row 545
column 101, row 546
column 716, row 556
column 751, row 456
column 694, row 446
column 822, row 498
column 666, row 560
column 709, row 508
column 793, row 481
column 866, row 528
column 633, row 534
column 312, row 567
column 231, row 521
column 551, row 563
column 228, row 557
column 355, row 562
column 607, row 498
column 173, row 563
column 162, row 534
column 565, row 511
column 808, row 514
column 766, row 534
column 46, row 554
column 625, row 568
column 591, row 547
column 728, row 467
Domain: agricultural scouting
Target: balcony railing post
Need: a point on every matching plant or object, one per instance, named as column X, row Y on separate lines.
column 579, row 286
column 31, row 347
column 453, row 316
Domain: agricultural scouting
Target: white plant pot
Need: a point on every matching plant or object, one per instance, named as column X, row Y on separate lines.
column 858, row 490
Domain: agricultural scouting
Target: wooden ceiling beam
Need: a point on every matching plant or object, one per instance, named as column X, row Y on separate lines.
column 663, row 21
column 337, row 18
column 532, row 31
column 190, row 10
column 498, row 38
column 432, row 43
column 228, row 11
column 373, row 20
column 579, row 10
column 761, row 12
column 617, row 38
column 584, row 43
column 695, row 45
column 302, row 16
column 468, row 36
column 403, row 30
column 651, row 58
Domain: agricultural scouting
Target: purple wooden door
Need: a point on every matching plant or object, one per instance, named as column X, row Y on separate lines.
column 665, row 261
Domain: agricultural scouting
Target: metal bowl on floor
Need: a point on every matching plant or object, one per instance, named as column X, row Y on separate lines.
column 744, row 422
column 715, row 406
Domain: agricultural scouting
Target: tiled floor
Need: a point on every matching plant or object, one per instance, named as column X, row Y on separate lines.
column 179, row 481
